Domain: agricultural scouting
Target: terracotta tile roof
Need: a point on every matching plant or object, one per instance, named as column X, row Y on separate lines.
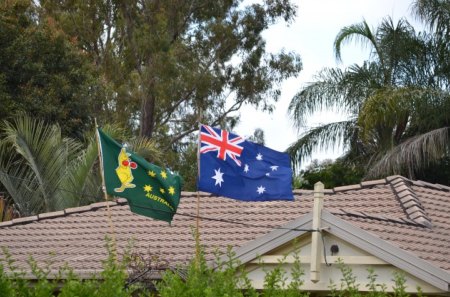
column 412, row 215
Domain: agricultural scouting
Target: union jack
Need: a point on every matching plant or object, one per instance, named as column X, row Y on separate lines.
column 223, row 143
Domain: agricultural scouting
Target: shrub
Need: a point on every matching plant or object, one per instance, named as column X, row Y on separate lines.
column 226, row 278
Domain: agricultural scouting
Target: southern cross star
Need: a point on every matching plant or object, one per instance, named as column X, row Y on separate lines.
column 260, row 190
column 259, row 157
column 218, row 177
column 274, row 168
column 246, row 168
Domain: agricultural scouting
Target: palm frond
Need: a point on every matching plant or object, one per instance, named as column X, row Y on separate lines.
column 82, row 184
column 7, row 212
column 413, row 154
column 146, row 148
column 435, row 12
column 328, row 92
column 19, row 182
column 335, row 89
column 360, row 33
column 323, row 137
column 43, row 154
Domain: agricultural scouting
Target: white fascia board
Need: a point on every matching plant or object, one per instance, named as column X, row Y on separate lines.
column 387, row 252
column 352, row 234
column 273, row 239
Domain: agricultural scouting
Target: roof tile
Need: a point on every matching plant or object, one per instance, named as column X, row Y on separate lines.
column 49, row 215
column 121, row 201
column 6, row 224
column 394, row 179
column 347, row 188
column 373, row 182
column 102, row 204
column 78, row 209
column 24, row 220
column 403, row 219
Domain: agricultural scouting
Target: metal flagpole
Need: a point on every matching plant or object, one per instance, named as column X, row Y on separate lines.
column 197, row 232
column 111, row 224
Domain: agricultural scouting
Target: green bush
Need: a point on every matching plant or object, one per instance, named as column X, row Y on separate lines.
column 226, row 278
column 113, row 281
column 349, row 288
column 200, row 279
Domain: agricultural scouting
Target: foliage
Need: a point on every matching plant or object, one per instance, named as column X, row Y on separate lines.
column 435, row 14
column 200, row 278
column 185, row 163
column 35, row 159
column 43, row 171
column 169, row 64
column 6, row 286
column 65, row 283
column 42, row 72
column 7, row 211
column 397, row 101
column 349, row 287
column 399, row 287
column 331, row 174
column 275, row 279
column 375, row 290
column 258, row 136
column 436, row 173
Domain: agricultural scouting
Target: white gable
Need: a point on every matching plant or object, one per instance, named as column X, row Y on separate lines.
column 355, row 258
column 357, row 248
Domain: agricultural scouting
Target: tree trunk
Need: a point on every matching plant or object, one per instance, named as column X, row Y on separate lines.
column 147, row 116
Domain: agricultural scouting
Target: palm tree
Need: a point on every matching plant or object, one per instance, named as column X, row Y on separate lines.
column 426, row 140
column 347, row 90
column 384, row 99
column 7, row 212
column 43, row 171
column 436, row 13
column 35, row 158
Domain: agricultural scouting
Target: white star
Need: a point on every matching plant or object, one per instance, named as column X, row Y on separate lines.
column 259, row 157
column 274, row 168
column 268, row 174
column 246, row 168
column 261, row 190
column 218, row 177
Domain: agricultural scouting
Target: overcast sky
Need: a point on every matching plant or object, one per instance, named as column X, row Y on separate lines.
column 312, row 36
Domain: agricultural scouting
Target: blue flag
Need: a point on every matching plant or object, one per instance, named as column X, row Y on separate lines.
column 232, row 167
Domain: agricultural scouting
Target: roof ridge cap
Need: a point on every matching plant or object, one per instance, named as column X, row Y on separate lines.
column 361, row 185
column 409, row 201
column 426, row 184
column 63, row 212
column 299, row 191
column 344, row 188
column 363, row 215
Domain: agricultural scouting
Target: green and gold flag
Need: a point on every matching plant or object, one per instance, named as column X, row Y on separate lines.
column 150, row 190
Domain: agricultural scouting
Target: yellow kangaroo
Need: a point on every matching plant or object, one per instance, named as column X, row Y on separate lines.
column 123, row 171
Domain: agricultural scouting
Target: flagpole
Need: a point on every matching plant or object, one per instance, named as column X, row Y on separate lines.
column 197, row 233
column 111, row 225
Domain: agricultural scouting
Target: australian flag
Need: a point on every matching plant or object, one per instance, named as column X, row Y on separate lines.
column 232, row 167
